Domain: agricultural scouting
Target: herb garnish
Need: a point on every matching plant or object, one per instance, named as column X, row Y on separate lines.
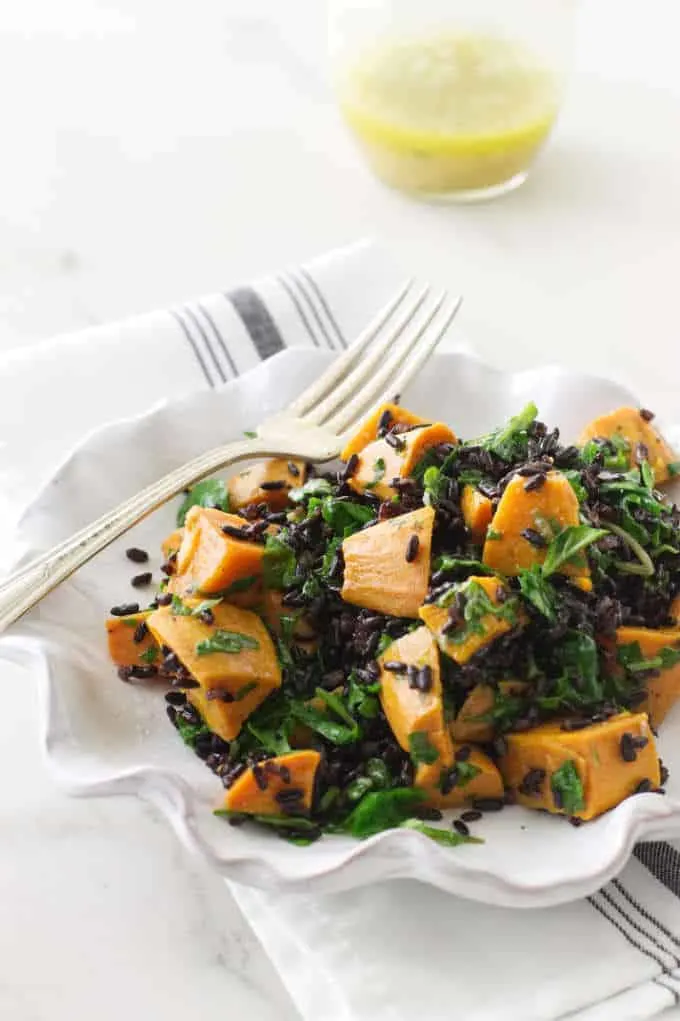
column 567, row 788
column 209, row 493
column 421, row 749
column 226, row 641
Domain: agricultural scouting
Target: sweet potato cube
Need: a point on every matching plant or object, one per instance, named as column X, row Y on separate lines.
column 283, row 774
column 478, row 628
column 377, row 574
column 171, row 544
column 407, row 707
column 544, row 511
column 644, row 442
column 477, row 512
column 480, row 702
column 123, row 649
column 448, row 784
column 241, row 677
column 663, row 691
column 209, row 561
column 246, row 487
column 380, row 461
column 581, row 772
column 368, row 430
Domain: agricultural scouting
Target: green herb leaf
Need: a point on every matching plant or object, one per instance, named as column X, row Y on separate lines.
column 382, row 810
column 240, row 585
column 566, row 783
column 565, row 546
column 190, row 732
column 322, row 723
column 313, row 487
column 149, row 655
column 356, row 790
column 278, row 562
column 573, row 477
column 493, row 535
column 466, row 771
column 539, row 592
column 631, row 658
column 378, row 473
column 434, row 485
column 345, row 516
column 226, row 641
column 674, row 468
column 420, row 748
column 450, row 564
column 477, row 607
column 647, row 475
column 209, row 493
column 578, row 654
column 361, row 698
column 378, row 773
column 285, row 822
column 250, row 434
column 180, row 609
column 447, row 837
column 510, row 441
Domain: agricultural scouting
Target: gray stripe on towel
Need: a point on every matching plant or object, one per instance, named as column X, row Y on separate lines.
column 663, row 861
column 257, row 320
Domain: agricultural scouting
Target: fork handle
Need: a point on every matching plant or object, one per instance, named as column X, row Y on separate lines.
column 27, row 586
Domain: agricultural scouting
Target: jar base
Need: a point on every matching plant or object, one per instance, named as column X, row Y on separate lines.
column 467, row 196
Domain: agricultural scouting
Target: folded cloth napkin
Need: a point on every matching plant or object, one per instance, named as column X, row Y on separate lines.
column 401, row 950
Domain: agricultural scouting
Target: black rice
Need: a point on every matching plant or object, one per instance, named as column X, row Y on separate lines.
column 534, row 537
column 461, row 827
column 124, row 609
column 141, row 580
column 412, row 547
column 137, row 556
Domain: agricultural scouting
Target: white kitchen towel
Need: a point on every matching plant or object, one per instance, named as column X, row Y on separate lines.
column 401, row 950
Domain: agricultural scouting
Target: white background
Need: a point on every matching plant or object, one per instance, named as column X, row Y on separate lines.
column 154, row 150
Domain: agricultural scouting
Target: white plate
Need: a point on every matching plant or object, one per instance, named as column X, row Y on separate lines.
column 106, row 737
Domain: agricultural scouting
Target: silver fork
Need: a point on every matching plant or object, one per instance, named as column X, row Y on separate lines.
column 377, row 366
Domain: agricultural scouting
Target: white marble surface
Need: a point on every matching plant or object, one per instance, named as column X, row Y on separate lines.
column 155, row 150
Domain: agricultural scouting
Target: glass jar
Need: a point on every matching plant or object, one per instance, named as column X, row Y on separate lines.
column 450, row 99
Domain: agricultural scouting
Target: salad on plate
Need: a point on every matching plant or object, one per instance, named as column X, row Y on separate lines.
column 441, row 624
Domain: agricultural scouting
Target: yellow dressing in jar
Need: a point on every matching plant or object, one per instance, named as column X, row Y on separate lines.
column 450, row 114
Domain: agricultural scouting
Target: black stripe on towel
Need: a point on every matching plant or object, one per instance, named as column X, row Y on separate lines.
column 627, row 935
column 627, row 917
column 324, row 304
column 257, row 320
column 191, row 315
column 218, row 337
column 646, row 914
column 299, row 309
column 301, row 286
column 663, row 861
column 193, row 345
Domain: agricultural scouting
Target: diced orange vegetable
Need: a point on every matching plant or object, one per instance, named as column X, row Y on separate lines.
column 368, row 430
column 381, row 462
column 377, row 574
column 596, row 753
column 462, row 642
column 246, row 676
column 123, row 649
column 210, row 561
column 480, row 702
column 273, row 610
column 172, row 542
column 408, row 709
column 299, row 772
column 663, row 691
column 245, row 487
column 645, row 443
column 547, row 511
column 477, row 512
column 485, row 783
